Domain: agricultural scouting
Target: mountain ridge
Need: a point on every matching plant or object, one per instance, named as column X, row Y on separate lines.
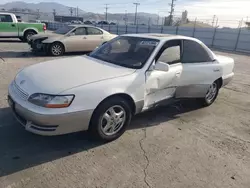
column 60, row 9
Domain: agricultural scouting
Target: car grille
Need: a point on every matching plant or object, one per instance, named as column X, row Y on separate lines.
column 18, row 91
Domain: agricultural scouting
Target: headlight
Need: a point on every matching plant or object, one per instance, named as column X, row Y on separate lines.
column 51, row 101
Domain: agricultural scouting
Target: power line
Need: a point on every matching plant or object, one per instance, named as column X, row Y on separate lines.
column 106, row 13
column 136, row 5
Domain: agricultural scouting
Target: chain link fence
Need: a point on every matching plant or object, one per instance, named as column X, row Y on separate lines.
column 233, row 39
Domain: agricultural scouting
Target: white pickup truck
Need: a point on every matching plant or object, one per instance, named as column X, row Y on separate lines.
column 11, row 28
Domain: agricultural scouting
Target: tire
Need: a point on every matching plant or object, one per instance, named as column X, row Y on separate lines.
column 100, row 128
column 211, row 94
column 56, row 49
column 27, row 35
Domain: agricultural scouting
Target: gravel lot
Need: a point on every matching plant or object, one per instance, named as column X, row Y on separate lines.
column 178, row 146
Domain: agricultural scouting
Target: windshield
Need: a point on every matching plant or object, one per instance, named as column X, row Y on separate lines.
column 64, row 30
column 131, row 52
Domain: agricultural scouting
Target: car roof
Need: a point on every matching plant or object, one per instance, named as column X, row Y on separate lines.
column 80, row 25
column 160, row 36
column 84, row 25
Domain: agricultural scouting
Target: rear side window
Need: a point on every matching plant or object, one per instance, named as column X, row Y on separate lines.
column 94, row 31
column 193, row 52
column 5, row 18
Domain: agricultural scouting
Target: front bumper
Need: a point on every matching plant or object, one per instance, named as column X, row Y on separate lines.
column 38, row 46
column 47, row 124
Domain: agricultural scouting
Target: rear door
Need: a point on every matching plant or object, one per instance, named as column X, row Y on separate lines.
column 7, row 27
column 199, row 71
column 94, row 38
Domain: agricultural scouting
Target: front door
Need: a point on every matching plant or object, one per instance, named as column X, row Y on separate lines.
column 7, row 27
column 161, row 85
column 199, row 71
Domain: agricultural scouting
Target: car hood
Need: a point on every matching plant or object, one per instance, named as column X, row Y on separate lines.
column 56, row 76
column 45, row 35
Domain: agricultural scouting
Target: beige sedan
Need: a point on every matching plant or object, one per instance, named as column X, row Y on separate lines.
column 72, row 38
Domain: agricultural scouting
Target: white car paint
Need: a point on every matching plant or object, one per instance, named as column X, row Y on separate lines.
column 91, row 81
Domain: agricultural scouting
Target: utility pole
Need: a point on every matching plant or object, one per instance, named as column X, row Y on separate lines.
column 106, row 13
column 136, row 6
column 217, row 20
column 158, row 18
column 213, row 20
column 149, row 21
column 71, row 11
column 126, row 17
column 38, row 14
column 171, row 12
column 54, row 12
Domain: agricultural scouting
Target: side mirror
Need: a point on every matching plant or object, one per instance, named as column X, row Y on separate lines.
column 160, row 66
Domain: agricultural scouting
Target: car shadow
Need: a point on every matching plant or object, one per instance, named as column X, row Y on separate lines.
column 21, row 150
column 11, row 40
column 30, row 54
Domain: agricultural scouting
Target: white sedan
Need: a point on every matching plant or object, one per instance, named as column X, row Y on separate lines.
column 128, row 75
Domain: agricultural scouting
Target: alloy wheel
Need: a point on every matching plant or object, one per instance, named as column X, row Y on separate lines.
column 113, row 120
column 211, row 94
column 56, row 49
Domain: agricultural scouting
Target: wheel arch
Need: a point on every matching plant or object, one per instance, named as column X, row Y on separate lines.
column 125, row 96
column 30, row 29
column 59, row 43
column 220, row 82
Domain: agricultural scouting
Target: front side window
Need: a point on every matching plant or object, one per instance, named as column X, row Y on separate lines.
column 5, row 18
column 131, row 52
column 80, row 31
column 193, row 52
column 171, row 52
column 94, row 31
column 64, row 30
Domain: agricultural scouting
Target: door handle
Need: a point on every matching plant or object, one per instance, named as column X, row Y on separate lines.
column 84, row 37
column 216, row 70
column 13, row 25
column 178, row 73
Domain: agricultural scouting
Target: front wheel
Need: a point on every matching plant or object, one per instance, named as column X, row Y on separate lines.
column 211, row 94
column 110, row 119
column 56, row 49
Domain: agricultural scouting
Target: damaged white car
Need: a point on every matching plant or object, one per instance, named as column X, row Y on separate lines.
column 128, row 75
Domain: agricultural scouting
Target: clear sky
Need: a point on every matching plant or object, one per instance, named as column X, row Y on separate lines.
column 202, row 9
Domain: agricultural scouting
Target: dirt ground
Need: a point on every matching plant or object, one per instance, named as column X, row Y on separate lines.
column 180, row 146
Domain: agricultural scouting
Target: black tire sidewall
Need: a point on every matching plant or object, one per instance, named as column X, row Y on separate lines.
column 26, row 35
column 98, row 113
column 56, row 43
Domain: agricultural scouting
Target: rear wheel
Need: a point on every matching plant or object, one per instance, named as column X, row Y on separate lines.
column 56, row 49
column 211, row 94
column 110, row 119
column 28, row 35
